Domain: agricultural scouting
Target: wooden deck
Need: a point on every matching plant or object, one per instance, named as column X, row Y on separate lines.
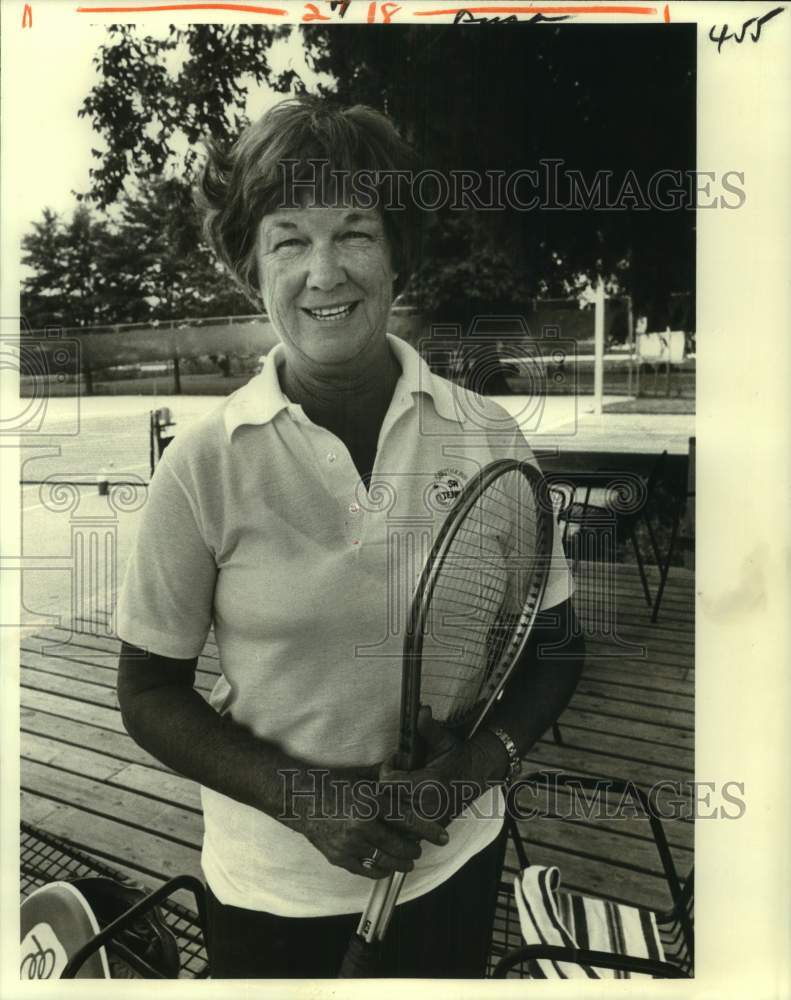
column 632, row 717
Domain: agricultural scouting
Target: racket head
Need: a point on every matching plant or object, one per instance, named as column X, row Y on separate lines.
column 476, row 600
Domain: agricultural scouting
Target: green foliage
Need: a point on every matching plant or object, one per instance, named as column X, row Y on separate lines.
column 467, row 270
column 149, row 262
column 70, row 282
column 147, row 99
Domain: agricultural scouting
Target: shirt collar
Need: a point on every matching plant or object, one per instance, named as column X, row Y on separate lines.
column 417, row 377
column 261, row 399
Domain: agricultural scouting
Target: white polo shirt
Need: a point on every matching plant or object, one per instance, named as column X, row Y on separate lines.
column 257, row 523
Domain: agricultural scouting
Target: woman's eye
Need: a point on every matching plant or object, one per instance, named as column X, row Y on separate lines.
column 288, row 244
column 354, row 234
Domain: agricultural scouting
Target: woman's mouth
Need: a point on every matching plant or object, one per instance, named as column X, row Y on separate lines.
column 331, row 314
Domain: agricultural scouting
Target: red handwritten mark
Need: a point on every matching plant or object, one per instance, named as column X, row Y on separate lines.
column 589, row 9
column 244, row 8
column 388, row 11
column 27, row 16
column 313, row 14
column 666, row 14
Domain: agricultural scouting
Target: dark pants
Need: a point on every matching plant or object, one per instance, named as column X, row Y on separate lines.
column 443, row 934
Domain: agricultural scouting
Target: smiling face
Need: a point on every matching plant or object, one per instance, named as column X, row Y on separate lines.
column 326, row 280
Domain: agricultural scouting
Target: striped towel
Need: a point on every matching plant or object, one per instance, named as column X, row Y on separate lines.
column 557, row 918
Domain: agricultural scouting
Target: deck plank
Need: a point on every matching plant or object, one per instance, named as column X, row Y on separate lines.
column 163, row 784
column 71, row 708
column 93, row 673
column 587, row 762
column 138, row 851
column 82, row 691
column 104, row 799
column 117, row 745
column 650, row 732
column 596, row 743
column 534, row 803
column 79, row 760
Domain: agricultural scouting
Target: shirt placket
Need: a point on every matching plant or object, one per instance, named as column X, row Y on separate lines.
column 343, row 481
column 340, row 473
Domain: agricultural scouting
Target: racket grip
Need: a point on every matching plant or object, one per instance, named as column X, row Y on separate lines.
column 393, row 890
column 369, row 920
column 361, row 960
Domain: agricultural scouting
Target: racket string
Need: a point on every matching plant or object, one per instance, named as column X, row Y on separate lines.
column 478, row 596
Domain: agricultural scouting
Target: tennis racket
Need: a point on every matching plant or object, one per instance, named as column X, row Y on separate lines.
column 471, row 615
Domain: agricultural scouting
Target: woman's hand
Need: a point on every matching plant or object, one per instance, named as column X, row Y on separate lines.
column 344, row 816
column 456, row 773
column 338, row 811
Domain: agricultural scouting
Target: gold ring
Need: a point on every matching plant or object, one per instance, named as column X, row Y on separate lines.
column 370, row 861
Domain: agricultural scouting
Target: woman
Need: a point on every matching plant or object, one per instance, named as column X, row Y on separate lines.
column 274, row 520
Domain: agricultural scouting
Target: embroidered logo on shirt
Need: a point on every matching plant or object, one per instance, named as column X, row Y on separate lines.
column 447, row 486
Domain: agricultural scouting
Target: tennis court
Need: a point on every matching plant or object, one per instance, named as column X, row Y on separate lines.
column 85, row 439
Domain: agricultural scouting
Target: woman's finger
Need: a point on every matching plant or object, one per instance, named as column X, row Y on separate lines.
column 419, row 828
column 396, row 844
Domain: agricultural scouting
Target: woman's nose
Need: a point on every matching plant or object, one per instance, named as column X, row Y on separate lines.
column 325, row 270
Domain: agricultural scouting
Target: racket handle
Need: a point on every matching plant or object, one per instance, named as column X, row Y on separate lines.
column 361, row 960
column 395, row 882
column 369, row 921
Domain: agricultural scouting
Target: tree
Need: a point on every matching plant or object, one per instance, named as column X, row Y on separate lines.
column 69, row 282
column 168, row 264
column 148, row 263
column 44, row 297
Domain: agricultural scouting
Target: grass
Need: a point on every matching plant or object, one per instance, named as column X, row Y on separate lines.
column 653, row 405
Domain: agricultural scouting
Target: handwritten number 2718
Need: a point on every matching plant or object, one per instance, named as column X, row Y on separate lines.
column 385, row 10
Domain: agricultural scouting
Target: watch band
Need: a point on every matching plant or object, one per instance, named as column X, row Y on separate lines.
column 514, row 760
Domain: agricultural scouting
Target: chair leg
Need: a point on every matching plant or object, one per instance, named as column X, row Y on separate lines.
column 664, row 569
column 640, row 567
column 652, row 540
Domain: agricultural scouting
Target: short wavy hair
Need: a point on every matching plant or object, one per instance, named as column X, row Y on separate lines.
column 240, row 186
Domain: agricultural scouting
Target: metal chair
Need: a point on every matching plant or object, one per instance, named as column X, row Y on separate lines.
column 598, row 518
column 46, row 858
column 675, row 926
column 159, row 434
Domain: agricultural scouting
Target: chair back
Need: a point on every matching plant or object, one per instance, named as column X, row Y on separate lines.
column 673, row 929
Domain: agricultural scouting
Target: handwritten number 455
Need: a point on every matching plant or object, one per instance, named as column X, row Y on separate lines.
column 739, row 36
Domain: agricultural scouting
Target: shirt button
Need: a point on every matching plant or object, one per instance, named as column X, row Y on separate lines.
column 354, row 508
column 331, row 456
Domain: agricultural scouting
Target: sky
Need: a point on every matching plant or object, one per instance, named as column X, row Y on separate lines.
column 56, row 156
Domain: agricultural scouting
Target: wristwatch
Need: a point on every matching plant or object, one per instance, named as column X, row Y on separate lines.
column 514, row 760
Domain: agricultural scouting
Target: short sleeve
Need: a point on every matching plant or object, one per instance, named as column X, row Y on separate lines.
column 560, row 583
column 166, row 600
